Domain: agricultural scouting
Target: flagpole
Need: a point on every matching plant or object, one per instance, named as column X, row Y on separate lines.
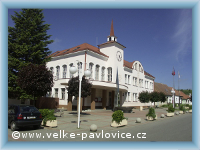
column 173, row 94
column 179, row 88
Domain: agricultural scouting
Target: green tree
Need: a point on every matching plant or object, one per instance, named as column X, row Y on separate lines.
column 187, row 91
column 73, row 87
column 162, row 97
column 35, row 80
column 154, row 97
column 144, row 97
column 27, row 43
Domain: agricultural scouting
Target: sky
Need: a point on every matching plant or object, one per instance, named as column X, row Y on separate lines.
column 161, row 39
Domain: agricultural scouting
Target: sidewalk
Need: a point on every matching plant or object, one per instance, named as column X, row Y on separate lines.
column 102, row 118
column 67, row 124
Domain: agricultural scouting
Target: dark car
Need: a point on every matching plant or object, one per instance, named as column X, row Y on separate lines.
column 23, row 115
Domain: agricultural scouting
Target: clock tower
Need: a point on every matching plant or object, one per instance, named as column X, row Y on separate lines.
column 115, row 51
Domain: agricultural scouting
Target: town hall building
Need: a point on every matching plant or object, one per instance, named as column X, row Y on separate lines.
column 109, row 72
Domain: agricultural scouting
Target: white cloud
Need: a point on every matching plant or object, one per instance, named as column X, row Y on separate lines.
column 183, row 35
column 56, row 45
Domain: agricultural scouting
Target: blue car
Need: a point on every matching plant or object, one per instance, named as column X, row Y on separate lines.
column 23, row 115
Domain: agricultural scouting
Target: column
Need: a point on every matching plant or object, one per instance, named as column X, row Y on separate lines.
column 104, row 95
column 93, row 94
column 113, row 98
column 69, row 105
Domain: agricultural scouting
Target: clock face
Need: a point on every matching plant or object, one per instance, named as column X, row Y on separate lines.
column 119, row 56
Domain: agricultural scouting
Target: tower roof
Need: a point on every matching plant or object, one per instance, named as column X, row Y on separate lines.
column 112, row 29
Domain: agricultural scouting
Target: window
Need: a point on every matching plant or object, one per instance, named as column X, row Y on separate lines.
column 64, row 71
column 128, row 97
column 103, row 74
column 109, row 74
column 146, row 84
column 97, row 72
column 63, row 93
column 90, row 67
column 135, row 66
column 51, row 69
column 125, row 78
column 128, row 79
column 135, row 81
column 79, row 66
column 141, row 82
column 135, row 98
column 56, row 93
column 57, row 72
column 71, row 75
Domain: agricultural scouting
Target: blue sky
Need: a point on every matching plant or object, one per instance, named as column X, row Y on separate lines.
column 159, row 38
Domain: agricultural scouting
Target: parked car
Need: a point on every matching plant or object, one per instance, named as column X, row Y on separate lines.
column 23, row 115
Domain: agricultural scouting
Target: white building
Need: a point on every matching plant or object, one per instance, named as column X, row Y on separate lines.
column 104, row 61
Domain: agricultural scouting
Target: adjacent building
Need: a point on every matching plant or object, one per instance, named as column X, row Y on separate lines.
column 109, row 72
column 179, row 95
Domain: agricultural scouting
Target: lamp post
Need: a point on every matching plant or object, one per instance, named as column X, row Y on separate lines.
column 173, row 97
column 87, row 73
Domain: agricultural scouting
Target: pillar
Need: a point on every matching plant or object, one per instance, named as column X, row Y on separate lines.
column 104, row 95
column 113, row 98
column 93, row 94
column 69, row 105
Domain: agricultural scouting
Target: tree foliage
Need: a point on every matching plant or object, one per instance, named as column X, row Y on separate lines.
column 162, row 97
column 187, row 91
column 154, row 97
column 73, row 87
column 35, row 80
column 27, row 43
column 144, row 97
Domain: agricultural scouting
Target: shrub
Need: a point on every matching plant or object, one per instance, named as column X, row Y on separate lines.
column 165, row 105
column 151, row 113
column 182, row 107
column 170, row 108
column 47, row 114
column 187, row 105
column 118, row 116
column 190, row 107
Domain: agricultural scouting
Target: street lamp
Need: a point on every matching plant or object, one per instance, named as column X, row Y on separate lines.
column 172, row 91
column 87, row 73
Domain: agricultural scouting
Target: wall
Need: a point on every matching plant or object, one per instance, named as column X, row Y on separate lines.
column 13, row 101
column 47, row 103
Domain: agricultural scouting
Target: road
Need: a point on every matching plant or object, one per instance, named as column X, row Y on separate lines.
column 177, row 128
column 171, row 129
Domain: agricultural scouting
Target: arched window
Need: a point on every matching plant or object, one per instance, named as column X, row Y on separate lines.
column 109, row 74
column 51, row 69
column 103, row 74
column 57, row 72
column 64, row 71
column 79, row 66
column 71, row 75
column 91, row 67
column 135, row 66
column 97, row 72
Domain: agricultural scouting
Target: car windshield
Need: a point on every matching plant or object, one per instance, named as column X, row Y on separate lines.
column 28, row 109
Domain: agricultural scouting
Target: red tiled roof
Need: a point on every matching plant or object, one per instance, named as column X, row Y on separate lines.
column 128, row 64
column 84, row 46
column 184, row 95
column 111, row 42
column 147, row 74
column 159, row 87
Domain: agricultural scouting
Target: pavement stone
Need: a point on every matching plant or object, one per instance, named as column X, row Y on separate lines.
column 102, row 118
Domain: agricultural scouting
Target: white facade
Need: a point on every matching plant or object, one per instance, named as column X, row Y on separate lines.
column 104, row 62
